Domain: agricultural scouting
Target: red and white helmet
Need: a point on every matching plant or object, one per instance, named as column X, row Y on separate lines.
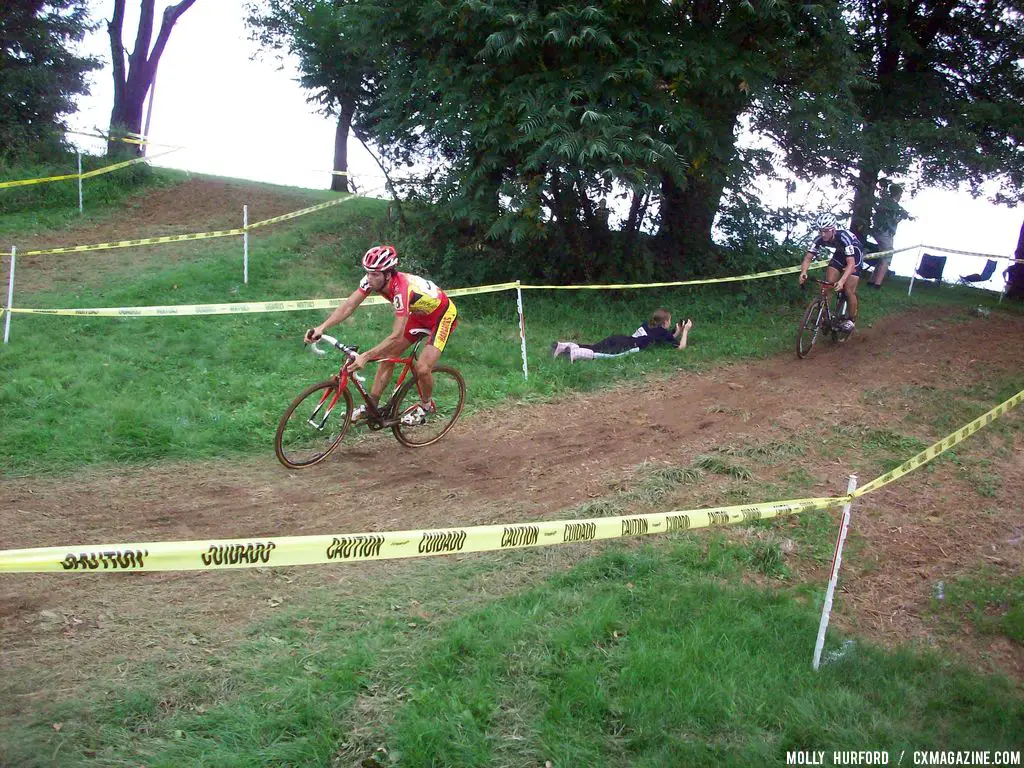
column 380, row 258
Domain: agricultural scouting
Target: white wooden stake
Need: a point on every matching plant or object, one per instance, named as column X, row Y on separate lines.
column 917, row 262
column 837, row 559
column 245, row 244
column 522, row 329
column 80, row 210
column 10, row 298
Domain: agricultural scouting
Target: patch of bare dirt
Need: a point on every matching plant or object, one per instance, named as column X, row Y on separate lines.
column 521, row 463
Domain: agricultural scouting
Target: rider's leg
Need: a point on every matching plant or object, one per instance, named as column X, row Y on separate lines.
column 851, row 296
column 424, row 367
column 386, row 370
column 436, row 342
column 831, row 274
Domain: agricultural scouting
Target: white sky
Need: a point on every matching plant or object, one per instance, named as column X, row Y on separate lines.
column 249, row 119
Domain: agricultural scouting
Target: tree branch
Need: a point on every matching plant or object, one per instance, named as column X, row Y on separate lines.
column 117, row 47
column 171, row 15
column 143, row 35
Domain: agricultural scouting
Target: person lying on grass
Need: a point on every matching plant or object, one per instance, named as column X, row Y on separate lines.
column 656, row 331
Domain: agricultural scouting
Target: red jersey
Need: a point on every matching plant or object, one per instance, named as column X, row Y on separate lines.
column 411, row 295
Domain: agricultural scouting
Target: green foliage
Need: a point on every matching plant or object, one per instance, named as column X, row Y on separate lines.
column 537, row 122
column 940, row 94
column 40, row 76
column 332, row 55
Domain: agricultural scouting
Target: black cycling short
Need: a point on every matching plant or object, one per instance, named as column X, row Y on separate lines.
column 841, row 265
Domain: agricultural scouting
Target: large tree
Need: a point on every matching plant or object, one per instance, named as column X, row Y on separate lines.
column 536, row 114
column 941, row 96
column 331, row 57
column 40, row 74
column 132, row 83
column 774, row 66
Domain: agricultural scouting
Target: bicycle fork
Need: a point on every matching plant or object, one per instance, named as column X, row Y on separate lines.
column 319, row 425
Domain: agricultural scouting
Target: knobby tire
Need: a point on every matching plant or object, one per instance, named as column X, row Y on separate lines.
column 301, row 444
column 450, row 397
column 810, row 327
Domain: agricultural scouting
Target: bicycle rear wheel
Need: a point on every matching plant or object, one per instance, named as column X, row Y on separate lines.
column 313, row 425
column 839, row 335
column 809, row 329
column 449, row 396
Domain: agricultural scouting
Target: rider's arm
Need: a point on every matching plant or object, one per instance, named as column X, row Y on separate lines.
column 383, row 349
column 341, row 312
column 397, row 332
column 805, row 265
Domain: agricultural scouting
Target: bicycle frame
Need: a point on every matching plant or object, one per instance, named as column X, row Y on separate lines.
column 379, row 416
column 826, row 296
column 826, row 319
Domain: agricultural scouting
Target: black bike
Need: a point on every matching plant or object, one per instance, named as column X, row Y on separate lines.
column 821, row 317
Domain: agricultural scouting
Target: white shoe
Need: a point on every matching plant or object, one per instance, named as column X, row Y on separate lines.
column 359, row 414
column 418, row 415
column 560, row 347
column 846, row 326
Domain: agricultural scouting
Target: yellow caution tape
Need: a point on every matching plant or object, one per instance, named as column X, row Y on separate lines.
column 733, row 279
column 186, row 237
column 137, row 242
column 130, row 138
column 938, row 448
column 221, row 554
column 241, row 308
column 115, row 167
column 302, row 212
column 87, row 175
column 27, row 182
column 966, row 253
column 892, row 252
column 496, row 287
column 184, row 310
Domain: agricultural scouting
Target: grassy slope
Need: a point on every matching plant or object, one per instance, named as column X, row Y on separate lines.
column 144, row 389
column 645, row 654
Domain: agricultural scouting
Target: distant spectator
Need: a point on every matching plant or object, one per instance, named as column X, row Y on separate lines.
column 1014, row 277
column 888, row 215
column 656, row 331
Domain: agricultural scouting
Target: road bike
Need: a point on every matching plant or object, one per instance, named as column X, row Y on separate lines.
column 822, row 317
column 317, row 420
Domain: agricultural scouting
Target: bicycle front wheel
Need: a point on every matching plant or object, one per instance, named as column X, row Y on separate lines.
column 449, row 396
column 313, row 425
column 810, row 327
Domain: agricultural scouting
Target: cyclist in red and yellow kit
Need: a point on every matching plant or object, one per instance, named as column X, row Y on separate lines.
column 421, row 309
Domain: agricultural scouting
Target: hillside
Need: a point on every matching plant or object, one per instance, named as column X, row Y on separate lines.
column 160, row 429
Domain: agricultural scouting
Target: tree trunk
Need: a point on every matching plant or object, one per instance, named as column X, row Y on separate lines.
column 132, row 86
column 688, row 210
column 687, row 215
column 637, row 209
column 564, row 206
column 339, row 180
column 864, row 199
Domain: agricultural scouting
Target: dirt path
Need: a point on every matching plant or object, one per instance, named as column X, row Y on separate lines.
column 529, row 462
